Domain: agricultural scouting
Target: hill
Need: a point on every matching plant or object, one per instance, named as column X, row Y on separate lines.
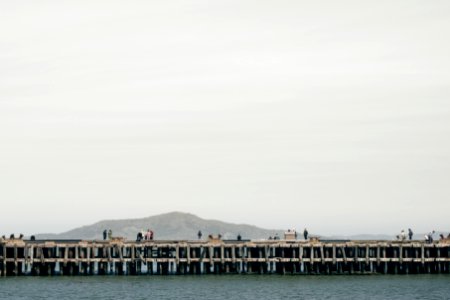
column 174, row 225
column 184, row 226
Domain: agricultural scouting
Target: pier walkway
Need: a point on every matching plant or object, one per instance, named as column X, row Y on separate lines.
column 118, row 257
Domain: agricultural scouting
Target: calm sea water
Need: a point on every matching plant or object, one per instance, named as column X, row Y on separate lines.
column 228, row 287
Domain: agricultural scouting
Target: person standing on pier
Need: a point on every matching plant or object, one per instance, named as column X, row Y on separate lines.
column 110, row 234
column 305, row 234
column 410, row 234
column 139, row 236
column 199, row 234
column 149, row 235
column 429, row 237
column 105, row 234
column 402, row 235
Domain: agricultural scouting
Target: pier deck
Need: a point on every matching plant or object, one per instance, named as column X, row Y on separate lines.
column 96, row 257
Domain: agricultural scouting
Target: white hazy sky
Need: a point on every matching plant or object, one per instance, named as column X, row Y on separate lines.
column 333, row 115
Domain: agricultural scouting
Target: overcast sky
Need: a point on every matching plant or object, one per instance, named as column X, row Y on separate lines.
column 333, row 115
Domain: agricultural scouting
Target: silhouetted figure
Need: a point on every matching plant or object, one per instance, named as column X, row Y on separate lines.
column 410, row 234
column 11, row 236
column 105, row 234
column 441, row 236
column 139, row 236
column 239, row 237
column 270, row 238
column 305, row 234
column 21, row 236
column 110, row 234
column 32, row 238
column 199, row 234
column 276, row 237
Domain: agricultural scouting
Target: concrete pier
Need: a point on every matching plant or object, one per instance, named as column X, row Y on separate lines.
column 118, row 257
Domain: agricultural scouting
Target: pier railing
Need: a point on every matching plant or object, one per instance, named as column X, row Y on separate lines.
column 94, row 257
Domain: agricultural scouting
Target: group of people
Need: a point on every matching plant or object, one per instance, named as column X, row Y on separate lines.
column 12, row 236
column 442, row 237
column 146, row 236
column 275, row 237
column 402, row 236
column 107, row 234
column 429, row 237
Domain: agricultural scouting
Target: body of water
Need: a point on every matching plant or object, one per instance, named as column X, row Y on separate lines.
column 228, row 287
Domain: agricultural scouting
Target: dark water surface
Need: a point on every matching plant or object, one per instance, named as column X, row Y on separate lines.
column 228, row 287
